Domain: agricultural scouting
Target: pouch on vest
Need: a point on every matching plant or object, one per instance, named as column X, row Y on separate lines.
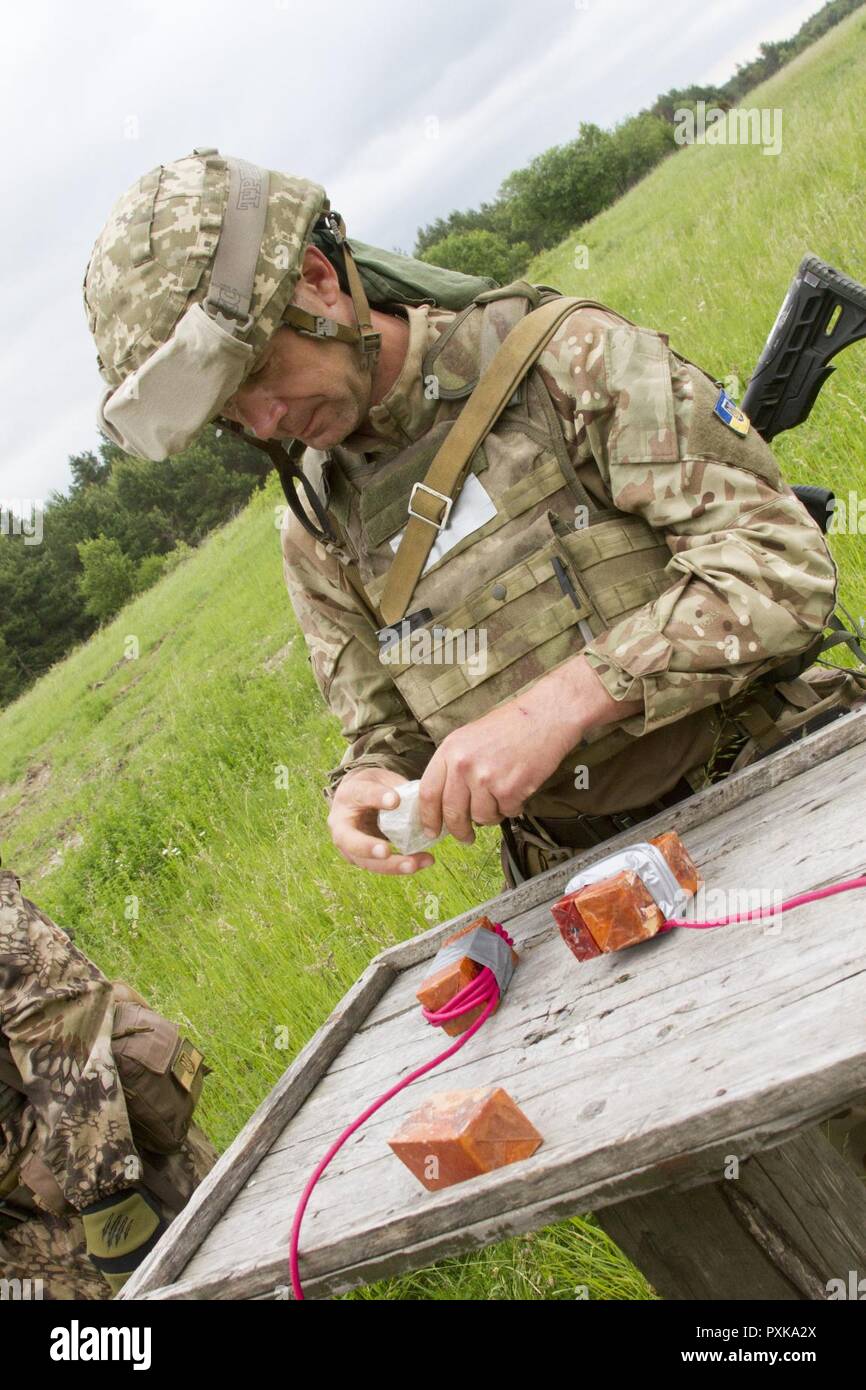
column 774, row 715
column 498, row 639
column 161, row 1074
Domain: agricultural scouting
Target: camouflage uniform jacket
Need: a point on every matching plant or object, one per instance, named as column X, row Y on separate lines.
column 611, row 422
column 56, row 1018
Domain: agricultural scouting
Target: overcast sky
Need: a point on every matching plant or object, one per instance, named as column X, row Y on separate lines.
column 402, row 109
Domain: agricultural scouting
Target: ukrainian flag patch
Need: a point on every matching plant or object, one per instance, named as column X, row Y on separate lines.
column 730, row 414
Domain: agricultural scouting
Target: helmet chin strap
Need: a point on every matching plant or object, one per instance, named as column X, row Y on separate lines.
column 363, row 335
column 287, row 465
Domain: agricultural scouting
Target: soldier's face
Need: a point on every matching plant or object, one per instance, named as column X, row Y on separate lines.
column 315, row 390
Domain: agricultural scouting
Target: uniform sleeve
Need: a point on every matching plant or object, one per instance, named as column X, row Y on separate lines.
column 752, row 581
column 57, row 1018
column 344, row 655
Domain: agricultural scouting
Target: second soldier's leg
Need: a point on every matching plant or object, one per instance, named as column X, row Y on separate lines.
column 48, row 1258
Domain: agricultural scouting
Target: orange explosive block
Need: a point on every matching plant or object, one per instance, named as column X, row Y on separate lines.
column 619, row 910
column 440, row 987
column 457, row 1135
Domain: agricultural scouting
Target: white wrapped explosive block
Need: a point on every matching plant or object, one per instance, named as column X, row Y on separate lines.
column 402, row 826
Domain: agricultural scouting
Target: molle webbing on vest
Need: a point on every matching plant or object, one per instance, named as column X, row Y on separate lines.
column 530, row 620
column 544, row 481
column 622, row 565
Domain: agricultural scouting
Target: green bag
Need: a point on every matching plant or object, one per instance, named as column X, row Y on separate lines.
column 390, row 278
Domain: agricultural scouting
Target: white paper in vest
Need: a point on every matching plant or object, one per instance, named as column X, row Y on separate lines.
column 472, row 510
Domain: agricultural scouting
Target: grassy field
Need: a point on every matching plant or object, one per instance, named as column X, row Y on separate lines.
column 141, row 794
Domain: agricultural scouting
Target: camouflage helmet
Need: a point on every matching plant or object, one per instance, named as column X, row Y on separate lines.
column 188, row 281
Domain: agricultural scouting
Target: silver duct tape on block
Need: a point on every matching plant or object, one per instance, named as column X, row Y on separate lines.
column 485, row 947
column 651, row 867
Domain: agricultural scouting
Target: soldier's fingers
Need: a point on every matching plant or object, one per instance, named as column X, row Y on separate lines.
column 430, row 794
column 395, row 864
column 368, row 792
column 356, row 843
column 455, row 808
column 484, row 808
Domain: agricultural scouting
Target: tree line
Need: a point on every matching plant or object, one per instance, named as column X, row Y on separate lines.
column 563, row 187
column 122, row 523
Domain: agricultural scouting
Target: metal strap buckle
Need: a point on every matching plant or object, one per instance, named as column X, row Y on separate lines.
column 449, row 503
column 371, row 343
column 226, row 318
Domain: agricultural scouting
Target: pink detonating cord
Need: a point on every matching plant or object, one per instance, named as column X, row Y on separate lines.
column 482, row 991
column 815, row 896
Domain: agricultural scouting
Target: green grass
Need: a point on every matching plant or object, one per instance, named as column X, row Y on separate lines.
column 138, row 794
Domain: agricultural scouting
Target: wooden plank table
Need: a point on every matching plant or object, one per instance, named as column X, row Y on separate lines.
column 677, row 1084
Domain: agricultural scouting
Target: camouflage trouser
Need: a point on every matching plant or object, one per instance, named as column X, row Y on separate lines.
column 45, row 1257
column 70, row 1136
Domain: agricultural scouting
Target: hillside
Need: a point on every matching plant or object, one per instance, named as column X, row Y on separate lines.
column 141, row 797
column 705, row 247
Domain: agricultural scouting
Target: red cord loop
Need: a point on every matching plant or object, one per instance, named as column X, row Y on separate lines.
column 481, row 990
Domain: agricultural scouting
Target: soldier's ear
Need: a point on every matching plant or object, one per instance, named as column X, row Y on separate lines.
column 318, row 277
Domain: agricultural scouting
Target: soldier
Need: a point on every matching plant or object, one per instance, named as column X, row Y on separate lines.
column 646, row 587
column 91, row 1174
column 633, row 592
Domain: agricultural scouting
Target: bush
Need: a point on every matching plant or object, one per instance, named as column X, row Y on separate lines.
column 176, row 557
column 480, row 253
column 148, row 571
column 108, row 578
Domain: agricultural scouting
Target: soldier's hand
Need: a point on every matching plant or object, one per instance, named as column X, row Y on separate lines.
column 354, row 829
column 487, row 770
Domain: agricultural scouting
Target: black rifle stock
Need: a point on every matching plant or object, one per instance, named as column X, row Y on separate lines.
column 823, row 312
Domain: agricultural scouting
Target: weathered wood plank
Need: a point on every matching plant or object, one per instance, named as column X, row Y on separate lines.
column 267, row 1276
column 625, row 1057
column 743, row 847
column 375, row 1207
column 793, row 1218
column 629, row 998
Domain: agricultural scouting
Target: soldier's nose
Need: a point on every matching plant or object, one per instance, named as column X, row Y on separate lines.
column 260, row 415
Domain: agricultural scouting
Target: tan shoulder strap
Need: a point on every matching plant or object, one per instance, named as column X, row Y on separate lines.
column 431, row 501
